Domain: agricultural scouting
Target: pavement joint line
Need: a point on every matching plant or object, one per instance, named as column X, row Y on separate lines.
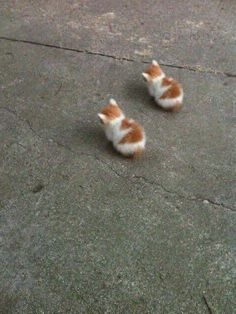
column 68, row 148
column 197, row 69
column 207, row 305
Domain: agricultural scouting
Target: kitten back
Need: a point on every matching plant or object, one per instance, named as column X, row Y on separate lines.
column 135, row 133
column 127, row 136
column 173, row 91
column 168, row 93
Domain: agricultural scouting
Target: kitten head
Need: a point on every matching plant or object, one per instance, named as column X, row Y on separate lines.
column 110, row 112
column 152, row 71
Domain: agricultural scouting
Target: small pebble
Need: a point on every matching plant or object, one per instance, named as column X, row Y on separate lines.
column 38, row 188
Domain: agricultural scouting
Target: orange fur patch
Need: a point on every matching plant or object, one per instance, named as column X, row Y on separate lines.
column 137, row 153
column 153, row 70
column 135, row 134
column 125, row 124
column 166, row 81
column 176, row 108
column 111, row 112
column 172, row 92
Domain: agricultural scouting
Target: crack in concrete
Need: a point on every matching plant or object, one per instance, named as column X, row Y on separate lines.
column 117, row 173
column 181, row 196
column 191, row 68
column 22, row 120
column 207, row 304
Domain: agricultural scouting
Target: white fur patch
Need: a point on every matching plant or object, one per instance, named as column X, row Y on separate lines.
column 170, row 102
column 145, row 76
column 113, row 102
column 154, row 62
column 155, row 88
column 130, row 148
column 102, row 116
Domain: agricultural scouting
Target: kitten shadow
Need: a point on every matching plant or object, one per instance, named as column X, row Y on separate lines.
column 89, row 133
column 137, row 91
column 92, row 137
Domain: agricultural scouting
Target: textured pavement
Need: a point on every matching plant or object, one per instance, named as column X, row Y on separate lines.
column 83, row 230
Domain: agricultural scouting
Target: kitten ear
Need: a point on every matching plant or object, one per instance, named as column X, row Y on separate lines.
column 146, row 77
column 113, row 102
column 154, row 62
column 102, row 117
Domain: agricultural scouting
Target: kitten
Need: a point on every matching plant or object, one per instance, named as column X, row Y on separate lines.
column 167, row 92
column 127, row 136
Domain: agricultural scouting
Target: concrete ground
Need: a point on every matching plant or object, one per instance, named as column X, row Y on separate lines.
column 83, row 230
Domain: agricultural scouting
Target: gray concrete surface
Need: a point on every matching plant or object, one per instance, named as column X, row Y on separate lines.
column 83, row 230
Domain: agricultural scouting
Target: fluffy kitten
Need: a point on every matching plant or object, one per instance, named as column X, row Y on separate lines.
column 167, row 92
column 127, row 136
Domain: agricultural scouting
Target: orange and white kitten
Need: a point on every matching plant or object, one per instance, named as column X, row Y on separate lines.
column 167, row 92
column 127, row 136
